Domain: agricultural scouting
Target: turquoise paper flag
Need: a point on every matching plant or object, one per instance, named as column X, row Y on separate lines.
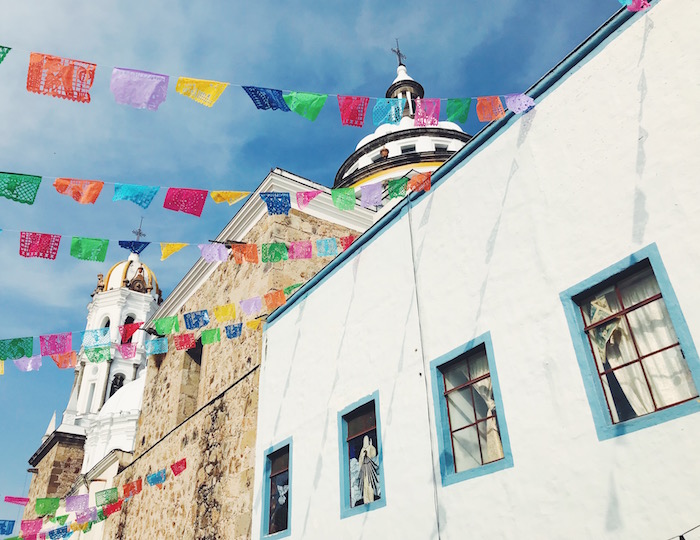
column 141, row 195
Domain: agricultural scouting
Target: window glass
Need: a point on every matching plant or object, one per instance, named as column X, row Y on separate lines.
column 279, row 491
column 363, row 455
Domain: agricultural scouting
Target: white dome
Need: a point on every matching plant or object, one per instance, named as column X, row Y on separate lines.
column 127, row 399
column 405, row 124
column 123, row 273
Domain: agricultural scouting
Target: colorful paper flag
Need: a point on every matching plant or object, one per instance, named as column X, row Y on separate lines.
column 139, row 89
column 168, row 248
column 3, row 53
column 86, row 515
column 31, row 526
column 60, row 532
column 388, row 111
column 132, row 488
column 179, row 466
column 11, row 349
column 2, row 367
column 28, row 363
column 56, row 343
column 266, row 98
column 98, row 354
column 326, row 247
column 7, row 525
column 397, row 188
column 46, row 506
column 65, row 360
column 277, row 203
column 126, row 331
column 196, row 319
column 22, row 501
column 300, row 250
column 638, row 5
column 21, row 188
column 61, row 520
column 210, row 336
column 113, row 508
column 227, row 312
column 420, row 182
column 126, row 350
column 156, row 478
column 519, row 103
column 167, row 325
column 106, row 496
column 77, row 503
column 234, row 330
column 41, row 245
column 458, row 109
column 200, row 90
column 89, row 249
column 98, row 337
column 427, row 112
column 346, row 241
column 133, row 245
column 81, row 191
column 371, row 195
column 353, row 110
column 273, row 253
column 184, row 341
column 343, row 198
column 141, row 195
column 157, row 346
column 254, row 325
column 189, row 201
column 274, row 299
column 289, row 290
column 60, row 77
column 245, row 252
column 489, row 108
column 214, row 252
column 305, row 104
column 231, row 197
column 251, row 306
column 305, row 197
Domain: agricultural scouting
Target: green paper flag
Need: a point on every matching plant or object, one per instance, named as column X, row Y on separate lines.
column 305, row 104
column 106, row 496
column 458, row 109
column 289, row 290
column 89, row 249
column 397, row 188
column 274, row 252
column 3, row 52
column 13, row 349
column 167, row 325
column 61, row 520
column 47, row 506
column 19, row 187
column 100, row 515
column 210, row 336
column 98, row 354
column 343, row 198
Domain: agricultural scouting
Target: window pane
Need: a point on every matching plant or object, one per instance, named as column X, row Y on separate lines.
column 483, row 398
column 279, row 493
column 461, row 408
column 669, row 377
column 456, row 374
column 491, row 448
column 478, row 364
column 279, row 461
column 638, row 287
column 361, row 420
column 627, row 393
column 363, row 457
column 466, row 449
column 652, row 328
column 612, row 345
column 600, row 306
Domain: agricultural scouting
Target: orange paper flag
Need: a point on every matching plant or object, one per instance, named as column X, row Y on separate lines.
column 82, row 191
column 420, row 182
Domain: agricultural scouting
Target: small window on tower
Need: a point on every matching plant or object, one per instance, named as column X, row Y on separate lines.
column 407, row 149
column 117, row 383
column 440, row 147
column 129, row 320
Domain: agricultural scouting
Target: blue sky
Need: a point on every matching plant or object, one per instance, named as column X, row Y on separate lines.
column 460, row 50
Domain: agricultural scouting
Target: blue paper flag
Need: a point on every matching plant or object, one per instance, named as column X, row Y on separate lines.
column 133, row 245
column 326, row 247
column 156, row 478
column 141, row 195
column 7, row 526
column 96, row 338
column 277, row 203
column 196, row 319
column 157, row 346
column 61, row 532
column 234, row 330
column 266, row 98
column 388, row 111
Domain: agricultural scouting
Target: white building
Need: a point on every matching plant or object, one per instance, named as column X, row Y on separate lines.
column 511, row 354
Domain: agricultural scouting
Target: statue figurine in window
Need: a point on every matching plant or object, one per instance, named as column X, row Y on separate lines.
column 369, row 480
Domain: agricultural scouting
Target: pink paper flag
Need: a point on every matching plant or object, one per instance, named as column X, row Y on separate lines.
column 371, row 195
column 179, row 466
column 427, row 112
column 305, row 197
column 31, row 526
column 140, row 89
column 353, row 110
column 300, row 250
column 44, row 246
column 638, row 5
column 189, row 201
column 127, row 350
column 22, row 501
column 214, row 252
column 56, row 344
column 32, row 363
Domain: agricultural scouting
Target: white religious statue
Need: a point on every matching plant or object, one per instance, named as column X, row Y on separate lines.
column 369, row 480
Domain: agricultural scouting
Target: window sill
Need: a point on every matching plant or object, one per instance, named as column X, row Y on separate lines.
column 610, row 430
column 449, row 478
column 347, row 512
column 281, row 534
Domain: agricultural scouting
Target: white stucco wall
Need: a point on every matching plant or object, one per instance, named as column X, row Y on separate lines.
column 604, row 166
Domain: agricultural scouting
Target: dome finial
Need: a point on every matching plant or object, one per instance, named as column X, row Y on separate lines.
column 399, row 55
column 138, row 232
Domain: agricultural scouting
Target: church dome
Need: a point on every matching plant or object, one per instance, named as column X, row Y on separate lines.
column 134, row 275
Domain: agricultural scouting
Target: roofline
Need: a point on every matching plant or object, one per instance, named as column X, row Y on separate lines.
column 537, row 91
column 57, row 436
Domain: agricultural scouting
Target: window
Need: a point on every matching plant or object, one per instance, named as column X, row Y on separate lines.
column 362, row 474
column 407, row 149
column 633, row 345
column 441, row 147
column 277, row 494
column 471, row 429
column 129, row 320
column 117, row 383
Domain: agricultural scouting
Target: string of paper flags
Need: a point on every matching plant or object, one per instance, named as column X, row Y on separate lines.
column 71, row 79
column 107, row 502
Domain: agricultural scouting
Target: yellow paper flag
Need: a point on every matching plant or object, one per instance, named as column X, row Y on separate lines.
column 204, row 92
column 166, row 250
column 253, row 325
column 231, row 197
column 225, row 313
column 2, row 367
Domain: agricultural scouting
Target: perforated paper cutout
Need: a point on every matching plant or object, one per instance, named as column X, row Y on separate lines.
column 179, row 466
column 638, row 5
column 420, row 182
column 65, row 360
column 21, row 188
column 106, row 496
column 251, row 306
column 427, row 112
column 45, row 506
column 388, row 111
column 397, row 188
column 200, row 90
column 28, row 363
column 81, row 191
column 254, row 325
column 196, row 319
column 77, row 503
column 126, row 350
column 300, row 250
column 274, row 299
column 60, row 77
column 126, row 331
column 277, row 203
column 98, row 354
column 211, row 336
column 40, row 245
column 139, row 89
column 274, row 252
column 489, row 108
column 326, row 247
column 227, row 312
column 231, row 197
column 87, row 515
column 156, row 478
column 213, row 252
column 245, row 253
column 133, row 245
column 11, row 349
column 458, row 109
column 353, row 110
column 168, row 248
column 140, row 195
column 89, row 249
column 98, row 337
column 31, row 526
column 167, row 325
column 56, row 343
column 371, row 195
column 3, row 53
column 7, row 526
column 113, row 508
column 346, row 241
column 234, row 330
column 22, row 501
column 157, row 346
column 289, row 290
column 305, row 104
column 305, row 197
column 2, row 367
column 266, row 98
column 189, row 201
column 519, row 103
column 343, row 198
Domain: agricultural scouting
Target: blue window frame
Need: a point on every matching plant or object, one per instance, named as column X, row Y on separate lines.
column 470, row 421
column 637, row 357
column 361, row 457
column 277, row 491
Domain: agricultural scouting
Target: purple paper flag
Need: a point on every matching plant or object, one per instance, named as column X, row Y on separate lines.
column 371, row 195
column 32, row 363
column 56, row 344
column 77, row 503
column 300, row 250
column 87, row 515
column 305, row 197
column 519, row 103
column 251, row 306
column 213, row 252
column 140, row 89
